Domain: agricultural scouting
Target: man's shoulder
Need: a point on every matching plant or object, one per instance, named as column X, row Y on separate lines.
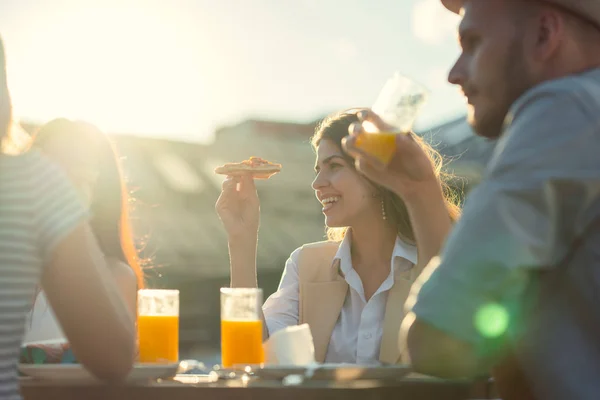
column 578, row 90
column 552, row 127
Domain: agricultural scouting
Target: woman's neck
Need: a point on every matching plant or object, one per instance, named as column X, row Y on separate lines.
column 373, row 244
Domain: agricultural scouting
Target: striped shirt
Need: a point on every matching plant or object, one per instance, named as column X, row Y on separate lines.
column 38, row 208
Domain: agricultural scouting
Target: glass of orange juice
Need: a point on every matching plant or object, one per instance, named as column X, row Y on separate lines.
column 398, row 105
column 158, row 326
column 241, row 327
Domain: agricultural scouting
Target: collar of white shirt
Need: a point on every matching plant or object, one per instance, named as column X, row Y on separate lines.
column 402, row 253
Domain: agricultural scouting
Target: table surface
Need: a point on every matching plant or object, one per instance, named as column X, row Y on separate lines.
column 184, row 387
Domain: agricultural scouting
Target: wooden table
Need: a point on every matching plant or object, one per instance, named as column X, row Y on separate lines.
column 201, row 387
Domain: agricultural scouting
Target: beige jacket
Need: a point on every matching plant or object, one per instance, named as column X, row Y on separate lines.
column 322, row 293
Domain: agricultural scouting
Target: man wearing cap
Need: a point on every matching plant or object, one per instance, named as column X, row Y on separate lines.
column 513, row 281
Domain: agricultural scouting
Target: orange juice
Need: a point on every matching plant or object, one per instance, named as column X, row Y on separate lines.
column 380, row 145
column 241, row 342
column 158, row 338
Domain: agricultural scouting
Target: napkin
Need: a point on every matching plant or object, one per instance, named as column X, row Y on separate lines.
column 291, row 346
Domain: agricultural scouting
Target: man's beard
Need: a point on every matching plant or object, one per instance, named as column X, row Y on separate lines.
column 515, row 81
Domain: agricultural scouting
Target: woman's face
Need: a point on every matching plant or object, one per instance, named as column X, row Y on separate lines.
column 347, row 197
column 78, row 159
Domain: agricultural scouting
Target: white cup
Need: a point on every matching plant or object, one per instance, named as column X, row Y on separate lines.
column 291, row 346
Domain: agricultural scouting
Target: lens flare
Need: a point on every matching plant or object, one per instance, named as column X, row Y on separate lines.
column 491, row 320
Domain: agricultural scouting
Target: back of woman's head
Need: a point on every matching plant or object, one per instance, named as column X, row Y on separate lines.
column 334, row 128
column 83, row 150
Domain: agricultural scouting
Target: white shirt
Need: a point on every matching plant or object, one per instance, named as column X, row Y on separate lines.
column 42, row 324
column 356, row 337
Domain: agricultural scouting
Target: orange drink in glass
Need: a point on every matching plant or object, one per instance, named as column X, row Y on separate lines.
column 241, row 327
column 158, row 326
column 378, row 144
column 398, row 105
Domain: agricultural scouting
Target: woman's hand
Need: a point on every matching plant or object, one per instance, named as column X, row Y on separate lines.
column 410, row 168
column 238, row 206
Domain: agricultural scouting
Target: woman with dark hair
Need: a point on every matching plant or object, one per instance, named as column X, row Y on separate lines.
column 45, row 238
column 351, row 288
column 91, row 163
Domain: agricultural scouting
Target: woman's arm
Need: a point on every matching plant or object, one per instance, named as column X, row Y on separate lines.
column 76, row 279
column 89, row 305
column 430, row 221
column 242, row 260
column 238, row 208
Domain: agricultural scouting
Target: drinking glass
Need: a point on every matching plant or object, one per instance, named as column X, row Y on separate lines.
column 241, row 326
column 398, row 105
column 158, row 326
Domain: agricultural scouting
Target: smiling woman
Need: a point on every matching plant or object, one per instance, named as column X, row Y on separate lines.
column 349, row 289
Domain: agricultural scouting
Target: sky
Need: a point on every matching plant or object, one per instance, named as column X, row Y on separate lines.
column 182, row 68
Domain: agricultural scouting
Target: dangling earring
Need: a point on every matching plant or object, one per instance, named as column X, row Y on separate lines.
column 383, row 210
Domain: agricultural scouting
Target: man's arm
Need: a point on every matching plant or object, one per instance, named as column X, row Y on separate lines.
column 434, row 352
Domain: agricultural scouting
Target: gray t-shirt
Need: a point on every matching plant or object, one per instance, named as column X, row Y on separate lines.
column 38, row 209
column 541, row 189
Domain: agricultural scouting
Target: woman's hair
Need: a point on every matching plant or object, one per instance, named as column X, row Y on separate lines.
column 334, row 128
column 109, row 206
column 5, row 103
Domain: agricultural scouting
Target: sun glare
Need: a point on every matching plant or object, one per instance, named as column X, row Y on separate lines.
column 126, row 69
